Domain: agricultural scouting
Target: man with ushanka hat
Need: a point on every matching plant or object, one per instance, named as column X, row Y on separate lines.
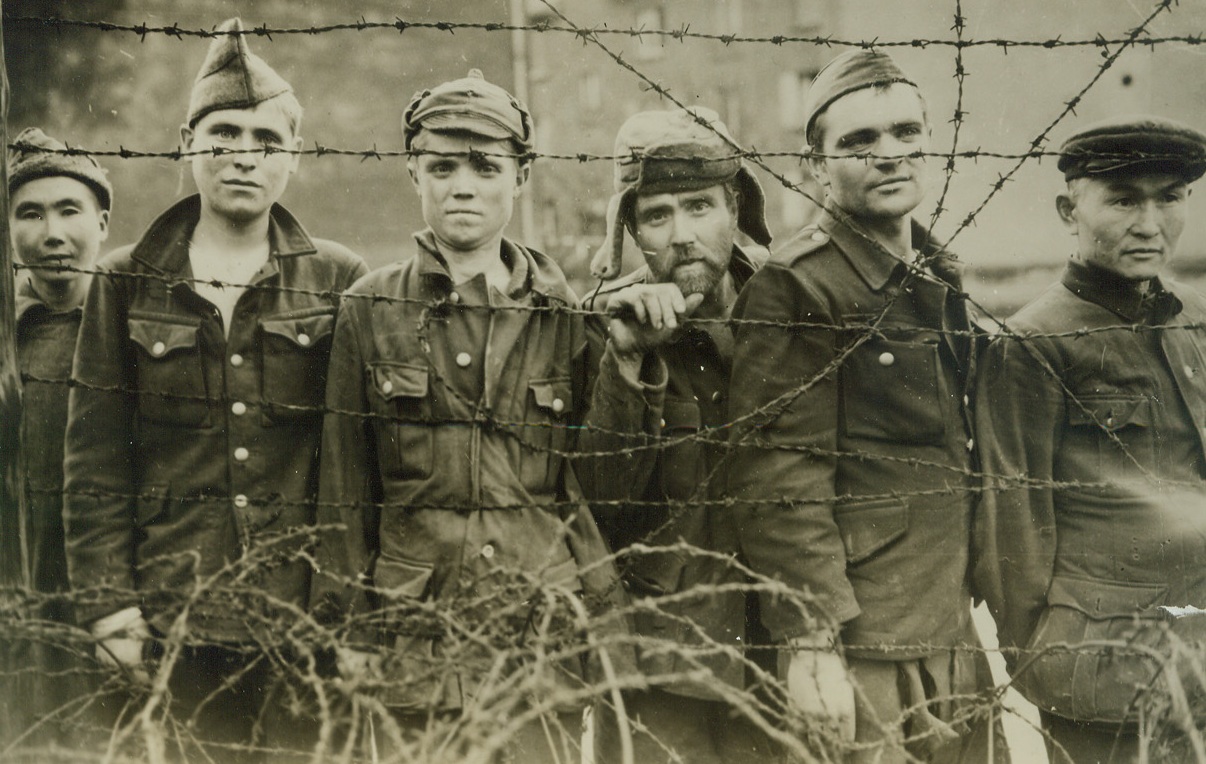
column 1091, row 410
column 851, row 446
column 58, row 220
column 683, row 193
column 192, row 442
column 456, row 389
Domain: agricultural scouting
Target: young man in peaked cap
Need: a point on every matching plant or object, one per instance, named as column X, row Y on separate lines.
column 1092, row 408
column 852, row 453
column 682, row 193
column 59, row 206
column 456, row 385
column 192, row 445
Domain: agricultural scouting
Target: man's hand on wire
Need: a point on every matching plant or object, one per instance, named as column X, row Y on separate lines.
column 646, row 316
column 818, row 683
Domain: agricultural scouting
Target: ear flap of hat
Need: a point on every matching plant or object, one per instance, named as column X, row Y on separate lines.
column 232, row 77
column 751, row 213
column 608, row 259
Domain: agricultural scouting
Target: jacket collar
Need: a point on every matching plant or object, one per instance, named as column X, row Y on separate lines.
column 1120, row 295
column 544, row 277
column 876, row 266
column 28, row 303
column 164, row 245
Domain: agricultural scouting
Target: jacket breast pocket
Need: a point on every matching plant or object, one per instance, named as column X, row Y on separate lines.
column 170, row 372
column 679, row 461
column 402, row 419
column 892, row 391
column 544, row 433
column 294, row 351
column 1117, row 428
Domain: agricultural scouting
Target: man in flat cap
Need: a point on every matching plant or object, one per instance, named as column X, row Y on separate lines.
column 683, row 193
column 852, row 450
column 467, row 562
column 1091, row 410
column 59, row 207
column 192, row 443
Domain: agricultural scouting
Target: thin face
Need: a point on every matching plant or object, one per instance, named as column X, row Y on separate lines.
column 242, row 186
column 466, row 187
column 686, row 237
column 1127, row 225
column 888, row 123
column 57, row 221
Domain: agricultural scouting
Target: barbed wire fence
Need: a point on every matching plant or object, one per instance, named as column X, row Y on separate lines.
column 541, row 643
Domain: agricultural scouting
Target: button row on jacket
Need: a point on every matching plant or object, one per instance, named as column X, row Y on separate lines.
column 236, row 360
column 488, row 551
column 238, row 408
column 886, row 359
column 463, row 360
column 240, row 501
column 241, row 454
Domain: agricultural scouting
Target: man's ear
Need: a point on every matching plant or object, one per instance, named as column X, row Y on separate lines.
column 186, row 138
column 1065, row 205
column 522, row 176
column 103, row 219
column 296, row 148
column 411, row 171
column 816, row 166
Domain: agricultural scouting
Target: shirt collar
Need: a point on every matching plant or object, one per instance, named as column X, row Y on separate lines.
column 530, row 270
column 30, row 305
column 1121, row 295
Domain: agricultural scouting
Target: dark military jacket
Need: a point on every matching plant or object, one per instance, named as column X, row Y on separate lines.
column 192, row 456
column 851, row 442
column 1092, row 413
column 653, row 453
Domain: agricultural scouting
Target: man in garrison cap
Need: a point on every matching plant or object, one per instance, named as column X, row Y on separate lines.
column 192, row 443
column 456, row 388
column 650, row 442
column 1092, row 406
column 58, row 219
column 852, row 451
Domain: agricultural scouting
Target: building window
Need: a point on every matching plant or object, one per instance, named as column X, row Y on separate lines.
column 650, row 47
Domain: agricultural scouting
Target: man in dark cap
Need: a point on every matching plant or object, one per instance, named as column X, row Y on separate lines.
column 192, row 444
column 467, row 562
column 682, row 193
column 852, row 452
column 1091, row 409
column 59, row 207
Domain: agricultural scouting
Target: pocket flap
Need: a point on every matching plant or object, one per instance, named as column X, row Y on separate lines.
column 399, row 380
column 1099, row 599
column 161, row 338
column 555, row 395
column 1111, row 413
column 868, row 527
column 397, row 578
column 681, row 415
column 303, row 331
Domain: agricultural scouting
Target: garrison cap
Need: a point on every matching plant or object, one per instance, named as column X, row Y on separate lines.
column 470, row 104
column 28, row 160
column 232, row 77
column 1134, row 144
column 851, row 71
column 672, row 151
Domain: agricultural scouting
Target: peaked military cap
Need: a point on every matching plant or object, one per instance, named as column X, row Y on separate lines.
column 470, row 104
column 1134, row 144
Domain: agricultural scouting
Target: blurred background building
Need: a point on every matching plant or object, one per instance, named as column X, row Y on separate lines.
column 112, row 89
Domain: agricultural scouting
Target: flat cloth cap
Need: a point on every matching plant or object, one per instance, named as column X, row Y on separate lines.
column 26, row 162
column 1134, row 144
column 851, row 71
column 660, row 152
column 232, row 77
column 469, row 104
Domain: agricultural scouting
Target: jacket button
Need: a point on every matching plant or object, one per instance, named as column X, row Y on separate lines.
column 240, row 501
column 886, row 359
column 1189, row 371
column 303, row 339
column 238, row 408
column 818, row 236
column 463, row 359
column 717, row 397
column 387, row 387
column 488, row 551
column 1109, row 421
column 558, row 405
column 971, row 443
column 454, row 298
column 663, row 424
column 158, row 349
column 236, row 360
column 241, row 454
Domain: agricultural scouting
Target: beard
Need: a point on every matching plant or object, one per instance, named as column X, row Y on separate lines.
column 696, row 277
